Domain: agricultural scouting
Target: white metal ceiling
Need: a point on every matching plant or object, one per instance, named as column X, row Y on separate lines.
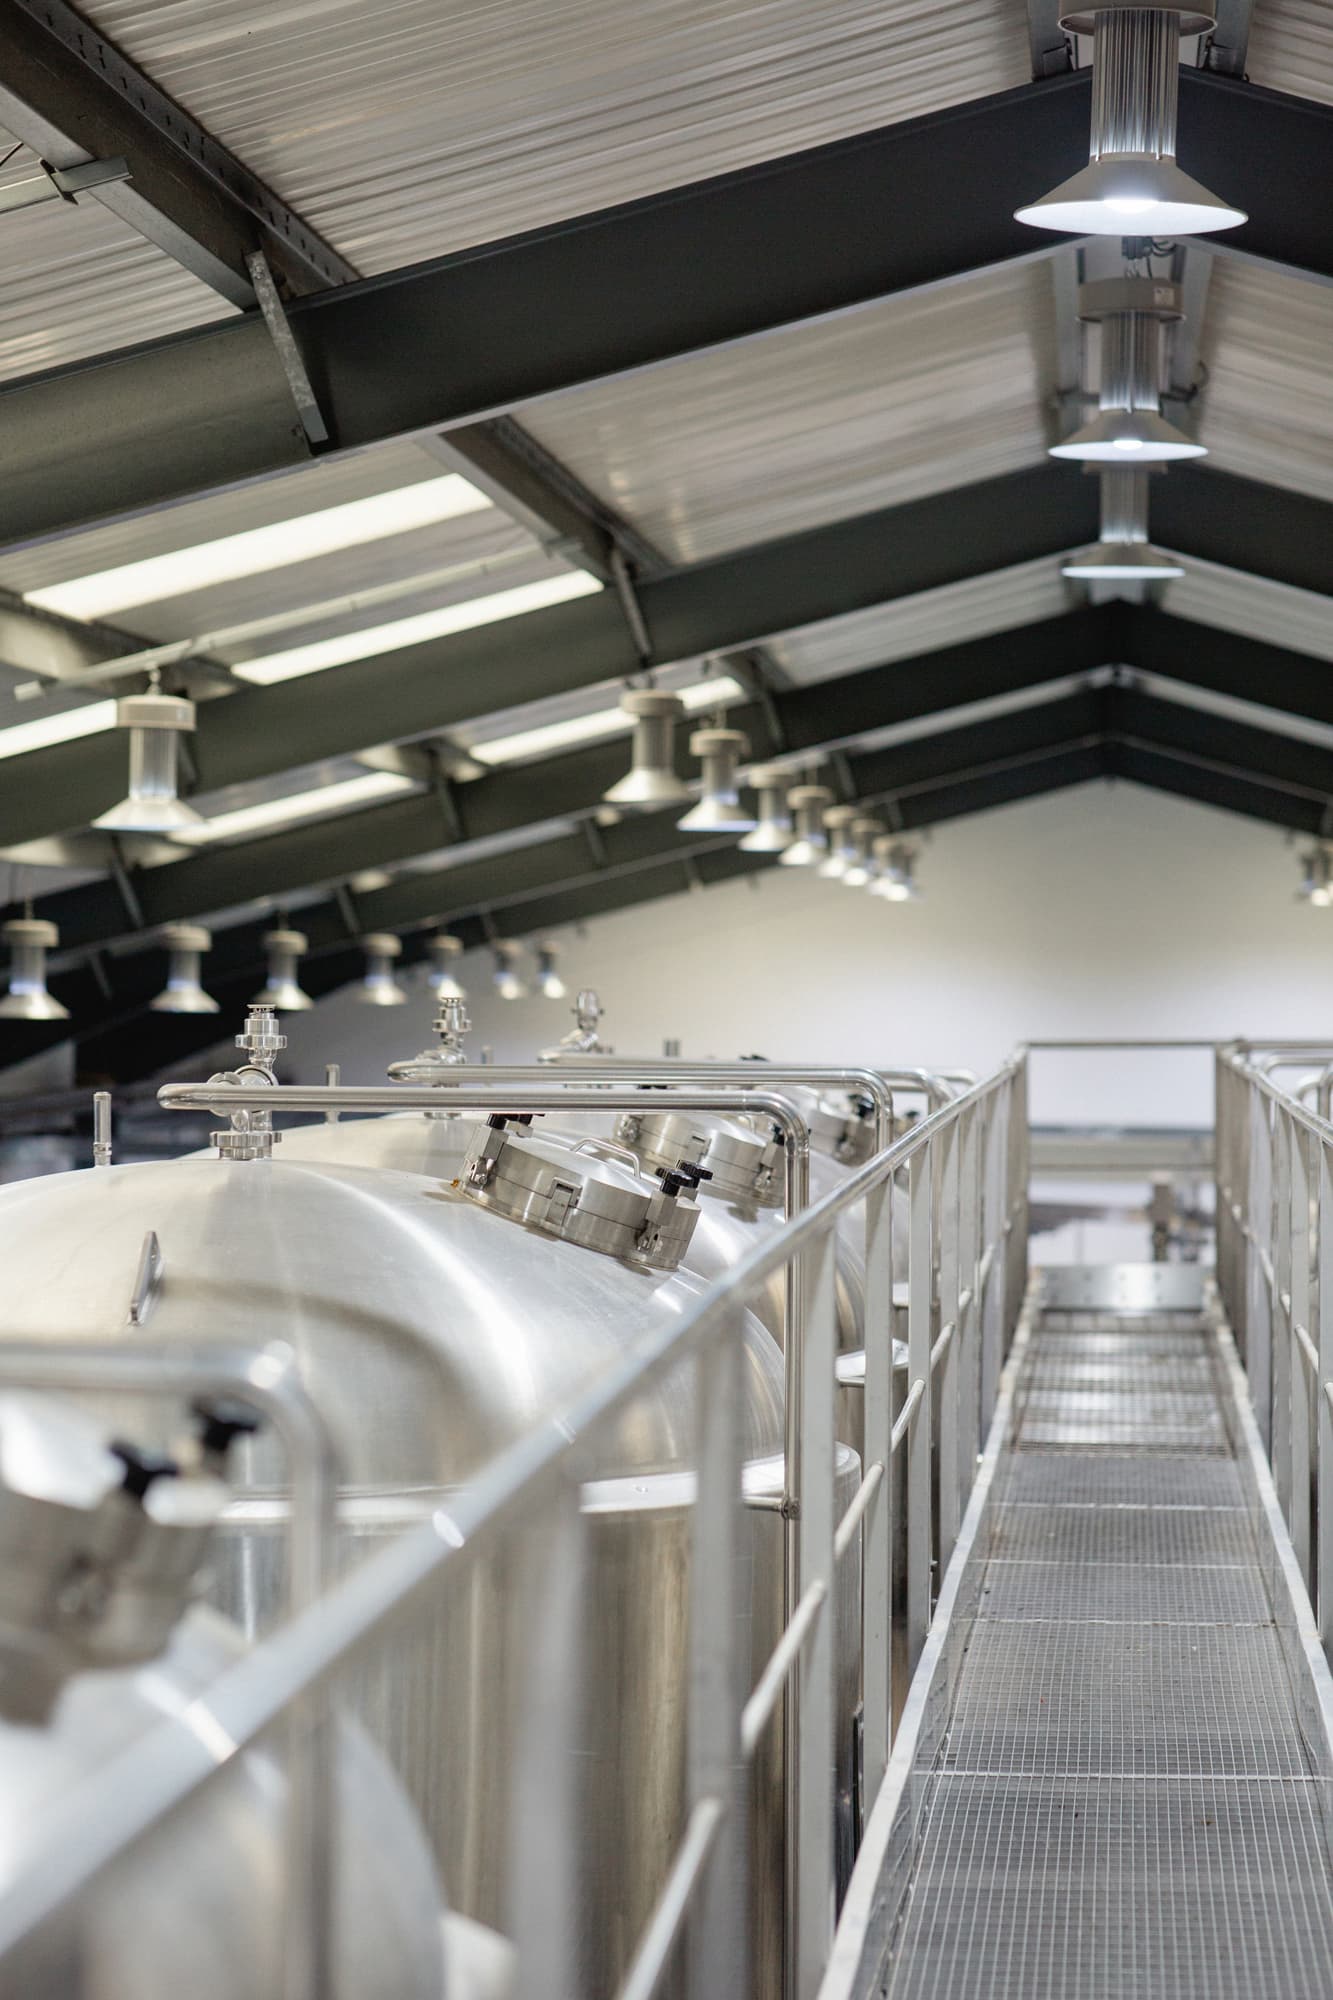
column 1268, row 405
column 403, row 129
column 78, row 282
column 1291, row 48
column 817, row 422
column 920, row 624
column 1272, row 612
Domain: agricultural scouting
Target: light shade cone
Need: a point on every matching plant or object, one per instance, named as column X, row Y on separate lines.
column 1127, row 437
column 1122, row 562
column 149, row 816
column 647, row 789
column 719, row 815
column 1129, row 195
column 38, row 1006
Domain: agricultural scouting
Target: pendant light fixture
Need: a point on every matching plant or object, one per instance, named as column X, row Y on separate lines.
column 549, row 983
column 841, row 854
column 897, row 881
column 507, row 982
column 1132, row 185
column 285, row 951
column 810, row 843
column 445, row 952
column 183, row 992
column 1316, row 879
column 860, row 872
column 719, row 810
column 651, row 780
column 1123, row 552
column 772, row 831
column 379, row 987
column 29, row 939
column 156, row 722
column 1129, row 423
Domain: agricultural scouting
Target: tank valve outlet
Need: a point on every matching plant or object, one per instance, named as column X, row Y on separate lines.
column 101, row 1128
column 103, row 1543
column 656, row 1239
column 260, row 1039
column 142, row 1467
column 435, row 1065
column 220, row 1421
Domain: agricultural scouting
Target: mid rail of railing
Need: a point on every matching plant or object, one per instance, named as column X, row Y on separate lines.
column 965, row 1230
column 1275, row 1276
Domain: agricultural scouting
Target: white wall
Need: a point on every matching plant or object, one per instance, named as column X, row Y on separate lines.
column 1103, row 912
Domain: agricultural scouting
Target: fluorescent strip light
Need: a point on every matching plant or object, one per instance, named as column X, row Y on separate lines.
column 604, row 722
column 437, row 624
column 90, row 720
column 255, row 550
column 315, row 804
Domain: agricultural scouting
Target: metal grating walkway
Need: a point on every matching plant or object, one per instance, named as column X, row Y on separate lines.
column 1124, row 1804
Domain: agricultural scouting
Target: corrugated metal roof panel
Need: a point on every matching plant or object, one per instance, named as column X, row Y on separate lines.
column 1291, row 48
column 77, row 281
column 326, row 484
column 488, row 537
column 1251, row 605
column 1268, row 343
column 908, row 396
column 920, row 624
column 403, row 129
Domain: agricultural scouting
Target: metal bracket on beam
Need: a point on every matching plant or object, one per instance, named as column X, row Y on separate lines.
column 62, row 183
column 120, row 875
column 623, row 578
column 346, row 904
column 97, row 966
column 592, row 833
column 442, row 787
column 1227, row 46
column 289, row 354
column 1051, row 48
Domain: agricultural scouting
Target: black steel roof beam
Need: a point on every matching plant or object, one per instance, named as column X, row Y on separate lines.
column 810, row 719
column 140, row 1043
column 1213, row 785
column 706, row 608
column 790, row 240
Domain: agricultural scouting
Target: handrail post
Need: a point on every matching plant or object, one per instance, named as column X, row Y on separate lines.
column 877, row 1542
column 719, row 1930
column 920, row 1178
column 814, row 1749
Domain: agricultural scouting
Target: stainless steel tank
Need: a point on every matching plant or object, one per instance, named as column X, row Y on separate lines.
column 102, row 1546
column 432, row 1330
column 195, row 1908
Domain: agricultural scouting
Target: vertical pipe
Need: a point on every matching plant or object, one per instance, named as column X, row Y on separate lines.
column 719, row 1607
column 1256, row 1293
column 1279, row 1293
column 877, row 1532
column 920, row 1174
column 815, row 1669
column 101, row 1128
column 548, row 1769
column 948, row 1378
column 1323, row 1517
column 1298, row 1517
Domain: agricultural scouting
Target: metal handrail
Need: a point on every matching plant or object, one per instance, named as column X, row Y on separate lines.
column 1274, row 1171
column 966, row 1170
column 267, row 1379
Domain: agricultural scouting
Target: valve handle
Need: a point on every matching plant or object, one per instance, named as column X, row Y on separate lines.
column 142, row 1467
